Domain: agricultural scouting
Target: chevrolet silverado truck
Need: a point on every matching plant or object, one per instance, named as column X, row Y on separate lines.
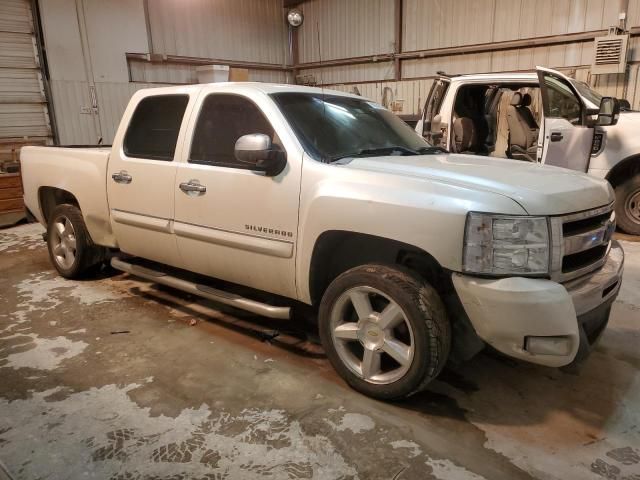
column 543, row 117
column 306, row 197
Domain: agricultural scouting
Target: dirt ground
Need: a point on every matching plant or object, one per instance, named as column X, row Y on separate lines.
column 107, row 378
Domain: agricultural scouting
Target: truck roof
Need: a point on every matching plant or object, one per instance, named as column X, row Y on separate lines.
column 494, row 77
column 257, row 86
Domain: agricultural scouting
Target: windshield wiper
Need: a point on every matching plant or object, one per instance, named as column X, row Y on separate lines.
column 372, row 152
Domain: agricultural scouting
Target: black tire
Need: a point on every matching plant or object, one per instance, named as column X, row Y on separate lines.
column 87, row 254
column 628, row 205
column 423, row 310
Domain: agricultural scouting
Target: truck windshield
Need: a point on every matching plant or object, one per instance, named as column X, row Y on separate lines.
column 331, row 127
column 585, row 91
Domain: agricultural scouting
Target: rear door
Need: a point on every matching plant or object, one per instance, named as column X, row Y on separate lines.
column 141, row 175
column 565, row 138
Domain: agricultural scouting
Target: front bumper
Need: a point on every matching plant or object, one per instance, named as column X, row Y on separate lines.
column 507, row 313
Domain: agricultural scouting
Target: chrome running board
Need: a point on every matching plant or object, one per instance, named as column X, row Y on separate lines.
column 204, row 291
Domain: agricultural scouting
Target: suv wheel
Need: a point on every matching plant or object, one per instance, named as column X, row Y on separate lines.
column 71, row 249
column 628, row 205
column 385, row 330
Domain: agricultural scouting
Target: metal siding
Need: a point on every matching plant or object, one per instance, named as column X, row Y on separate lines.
column 23, row 108
column 248, row 30
column 19, row 85
column 412, row 92
column 352, row 73
column 107, row 48
column 347, row 28
column 172, row 73
column 23, row 120
column 430, row 24
column 269, row 76
column 62, row 39
column 73, row 127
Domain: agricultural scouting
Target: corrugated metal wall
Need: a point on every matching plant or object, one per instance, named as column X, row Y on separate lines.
column 248, row 30
column 254, row 31
column 350, row 28
column 435, row 24
column 24, row 114
column 87, row 42
column 182, row 73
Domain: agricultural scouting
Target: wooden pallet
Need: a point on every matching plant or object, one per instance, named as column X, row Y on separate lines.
column 11, row 203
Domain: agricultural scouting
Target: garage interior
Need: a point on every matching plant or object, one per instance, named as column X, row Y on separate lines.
column 116, row 377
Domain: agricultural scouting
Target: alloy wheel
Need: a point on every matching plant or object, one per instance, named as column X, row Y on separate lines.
column 372, row 335
column 63, row 242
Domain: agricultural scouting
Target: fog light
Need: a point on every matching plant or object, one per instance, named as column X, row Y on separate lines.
column 548, row 345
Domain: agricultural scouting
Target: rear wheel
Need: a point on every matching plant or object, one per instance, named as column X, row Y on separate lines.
column 71, row 249
column 384, row 330
column 628, row 205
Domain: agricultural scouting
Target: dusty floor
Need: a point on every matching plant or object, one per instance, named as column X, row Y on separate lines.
column 106, row 379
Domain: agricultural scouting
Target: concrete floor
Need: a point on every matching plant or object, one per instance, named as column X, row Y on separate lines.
column 106, row 378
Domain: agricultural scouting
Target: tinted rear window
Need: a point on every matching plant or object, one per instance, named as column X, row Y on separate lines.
column 154, row 127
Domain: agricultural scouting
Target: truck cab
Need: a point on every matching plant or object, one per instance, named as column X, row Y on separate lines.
column 544, row 117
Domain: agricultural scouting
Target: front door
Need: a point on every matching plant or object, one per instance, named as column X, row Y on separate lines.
column 565, row 138
column 141, row 176
column 230, row 222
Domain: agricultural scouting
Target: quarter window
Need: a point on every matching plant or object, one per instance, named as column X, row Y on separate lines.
column 154, row 127
column 222, row 121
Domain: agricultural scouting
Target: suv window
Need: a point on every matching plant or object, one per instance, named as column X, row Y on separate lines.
column 223, row 119
column 154, row 127
column 562, row 102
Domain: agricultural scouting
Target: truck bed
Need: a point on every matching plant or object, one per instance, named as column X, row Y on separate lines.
column 80, row 171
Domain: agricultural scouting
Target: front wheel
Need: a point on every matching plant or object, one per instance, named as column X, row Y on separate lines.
column 71, row 249
column 628, row 205
column 384, row 330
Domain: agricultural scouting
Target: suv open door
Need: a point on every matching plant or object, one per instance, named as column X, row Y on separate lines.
column 567, row 133
column 429, row 126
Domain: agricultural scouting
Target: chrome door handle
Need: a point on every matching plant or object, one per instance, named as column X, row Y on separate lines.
column 122, row 177
column 192, row 187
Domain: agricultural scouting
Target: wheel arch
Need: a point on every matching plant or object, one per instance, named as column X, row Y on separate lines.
column 336, row 251
column 624, row 169
column 50, row 197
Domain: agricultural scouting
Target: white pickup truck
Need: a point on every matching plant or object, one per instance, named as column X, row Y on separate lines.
column 543, row 117
column 410, row 255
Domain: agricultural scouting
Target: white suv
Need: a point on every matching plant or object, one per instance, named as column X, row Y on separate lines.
column 543, row 117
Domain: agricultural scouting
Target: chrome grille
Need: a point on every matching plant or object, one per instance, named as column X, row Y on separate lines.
column 580, row 242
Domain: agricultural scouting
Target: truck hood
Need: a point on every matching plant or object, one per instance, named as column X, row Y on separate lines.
column 540, row 190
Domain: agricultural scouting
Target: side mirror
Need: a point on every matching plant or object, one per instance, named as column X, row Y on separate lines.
column 257, row 151
column 609, row 112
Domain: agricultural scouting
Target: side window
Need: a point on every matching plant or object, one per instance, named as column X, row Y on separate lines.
column 436, row 95
column 154, row 127
column 562, row 102
column 223, row 119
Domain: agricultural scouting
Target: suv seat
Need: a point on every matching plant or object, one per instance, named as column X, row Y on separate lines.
column 523, row 129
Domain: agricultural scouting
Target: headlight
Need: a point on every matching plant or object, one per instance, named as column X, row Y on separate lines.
column 505, row 245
